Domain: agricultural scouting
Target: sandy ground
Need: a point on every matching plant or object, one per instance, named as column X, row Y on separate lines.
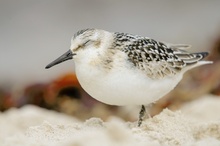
column 196, row 124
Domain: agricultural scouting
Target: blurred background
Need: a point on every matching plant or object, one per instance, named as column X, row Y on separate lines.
column 34, row 33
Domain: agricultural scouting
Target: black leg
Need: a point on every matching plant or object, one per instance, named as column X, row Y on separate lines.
column 141, row 115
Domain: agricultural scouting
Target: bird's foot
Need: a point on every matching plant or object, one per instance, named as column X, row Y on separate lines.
column 141, row 115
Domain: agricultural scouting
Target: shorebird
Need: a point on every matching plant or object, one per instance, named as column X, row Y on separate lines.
column 124, row 69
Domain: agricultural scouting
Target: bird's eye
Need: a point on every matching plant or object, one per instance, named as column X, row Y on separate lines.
column 87, row 42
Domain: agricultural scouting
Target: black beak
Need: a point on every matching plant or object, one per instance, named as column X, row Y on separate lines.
column 66, row 56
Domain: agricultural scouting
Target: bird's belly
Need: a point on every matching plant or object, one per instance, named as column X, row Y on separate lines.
column 125, row 87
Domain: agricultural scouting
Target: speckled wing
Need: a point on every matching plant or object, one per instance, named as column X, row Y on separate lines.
column 158, row 59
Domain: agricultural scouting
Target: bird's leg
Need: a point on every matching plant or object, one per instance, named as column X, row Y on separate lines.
column 141, row 115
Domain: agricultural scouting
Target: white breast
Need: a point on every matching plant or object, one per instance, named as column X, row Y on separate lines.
column 122, row 85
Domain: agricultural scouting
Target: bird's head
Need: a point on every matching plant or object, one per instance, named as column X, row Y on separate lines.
column 86, row 39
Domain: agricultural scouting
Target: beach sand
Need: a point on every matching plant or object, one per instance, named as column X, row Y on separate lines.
column 196, row 124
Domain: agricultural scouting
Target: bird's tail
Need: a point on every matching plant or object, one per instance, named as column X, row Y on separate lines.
column 195, row 59
column 201, row 54
column 191, row 58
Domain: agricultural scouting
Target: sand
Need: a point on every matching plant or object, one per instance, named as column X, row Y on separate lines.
column 196, row 124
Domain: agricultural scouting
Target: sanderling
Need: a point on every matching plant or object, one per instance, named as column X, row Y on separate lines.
column 124, row 69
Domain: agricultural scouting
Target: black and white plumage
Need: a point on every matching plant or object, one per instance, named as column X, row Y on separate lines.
column 125, row 69
column 157, row 59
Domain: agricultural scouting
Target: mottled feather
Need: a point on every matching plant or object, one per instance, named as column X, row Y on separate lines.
column 157, row 59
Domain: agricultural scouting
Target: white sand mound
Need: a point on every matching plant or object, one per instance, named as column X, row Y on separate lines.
column 33, row 126
column 204, row 109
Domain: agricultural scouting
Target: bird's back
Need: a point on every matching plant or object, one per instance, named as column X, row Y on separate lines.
column 158, row 59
